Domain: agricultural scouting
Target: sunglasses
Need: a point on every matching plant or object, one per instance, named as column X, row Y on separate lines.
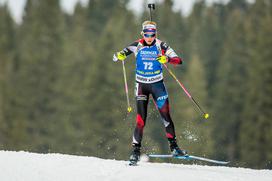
column 149, row 35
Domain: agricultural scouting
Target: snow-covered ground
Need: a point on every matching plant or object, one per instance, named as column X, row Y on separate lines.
column 23, row 166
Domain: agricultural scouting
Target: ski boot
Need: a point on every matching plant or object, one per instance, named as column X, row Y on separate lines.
column 175, row 150
column 135, row 155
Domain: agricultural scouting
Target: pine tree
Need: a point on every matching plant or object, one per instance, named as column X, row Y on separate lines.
column 72, row 85
column 211, row 34
column 40, row 48
column 98, row 13
column 229, row 102
column 255, row 136
column 196, row 131
column 7, row 63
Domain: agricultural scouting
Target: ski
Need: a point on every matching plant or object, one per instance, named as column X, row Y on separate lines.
column 189, row 157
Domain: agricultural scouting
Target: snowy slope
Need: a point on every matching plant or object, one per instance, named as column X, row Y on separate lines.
column 23, row 166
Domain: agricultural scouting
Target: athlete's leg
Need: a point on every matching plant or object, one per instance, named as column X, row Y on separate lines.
column 142, row 95
column 160, row 96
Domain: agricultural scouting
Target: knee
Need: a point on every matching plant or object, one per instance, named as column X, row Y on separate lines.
column 165, row 108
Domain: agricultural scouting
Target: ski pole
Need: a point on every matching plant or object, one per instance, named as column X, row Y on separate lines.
column 205, row 115
column 129, row 109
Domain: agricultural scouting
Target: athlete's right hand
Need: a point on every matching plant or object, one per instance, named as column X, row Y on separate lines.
column 119, row 56
column 162, row 59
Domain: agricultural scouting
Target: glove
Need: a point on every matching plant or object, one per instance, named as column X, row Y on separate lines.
column 119, row 56
column 162, row 59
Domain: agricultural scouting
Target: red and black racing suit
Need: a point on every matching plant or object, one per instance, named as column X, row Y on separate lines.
column 149, row 80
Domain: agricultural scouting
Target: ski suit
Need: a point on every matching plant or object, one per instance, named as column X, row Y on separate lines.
column 149, row 80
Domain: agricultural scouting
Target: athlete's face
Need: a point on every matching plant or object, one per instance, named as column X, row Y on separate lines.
column 149, row 37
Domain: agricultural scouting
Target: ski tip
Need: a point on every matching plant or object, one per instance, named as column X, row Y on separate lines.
column 224, row 163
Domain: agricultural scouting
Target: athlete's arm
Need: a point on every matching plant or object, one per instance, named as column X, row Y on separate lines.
column 122, row 55
column 132, row 48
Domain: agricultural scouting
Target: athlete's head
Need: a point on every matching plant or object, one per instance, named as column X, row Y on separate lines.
column 149, row 31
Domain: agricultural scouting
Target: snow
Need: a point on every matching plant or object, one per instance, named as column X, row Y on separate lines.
column 24, row 166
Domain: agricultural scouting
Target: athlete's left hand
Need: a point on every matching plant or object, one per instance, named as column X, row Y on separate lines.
column 162, row 59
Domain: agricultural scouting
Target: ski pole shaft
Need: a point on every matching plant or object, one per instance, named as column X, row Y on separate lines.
column 129, row 109
column 205, row 115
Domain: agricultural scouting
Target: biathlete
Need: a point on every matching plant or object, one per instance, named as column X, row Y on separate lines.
column 150, row 54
